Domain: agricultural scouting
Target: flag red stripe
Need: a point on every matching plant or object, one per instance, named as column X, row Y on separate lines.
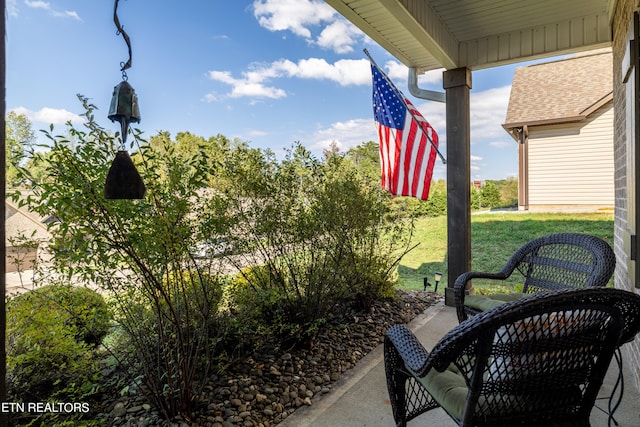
column 418, row 167
column 383, row 157
column 407, row 142
column 409, row 146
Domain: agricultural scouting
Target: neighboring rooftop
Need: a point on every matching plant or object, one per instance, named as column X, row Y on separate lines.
column 560, row 91
column 21, row 222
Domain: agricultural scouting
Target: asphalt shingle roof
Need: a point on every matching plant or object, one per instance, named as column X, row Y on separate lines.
column 560, row 89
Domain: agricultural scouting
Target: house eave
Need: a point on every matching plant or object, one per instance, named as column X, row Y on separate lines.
column 427, row 34
column 584, row 114
column 544, row 122
column 597, row 105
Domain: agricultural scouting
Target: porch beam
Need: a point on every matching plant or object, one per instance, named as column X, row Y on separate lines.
column 457, row 84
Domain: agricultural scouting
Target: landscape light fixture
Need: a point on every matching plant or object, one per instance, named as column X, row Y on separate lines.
column 437, row 276
column 123, row 180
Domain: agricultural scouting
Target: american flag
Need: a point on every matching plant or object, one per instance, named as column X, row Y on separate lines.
column 408, row 144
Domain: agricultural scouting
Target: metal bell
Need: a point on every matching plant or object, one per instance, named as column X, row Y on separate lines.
column 124, row 107
column 123, row 180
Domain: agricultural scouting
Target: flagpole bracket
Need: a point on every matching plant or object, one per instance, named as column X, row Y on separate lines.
column 429, row 95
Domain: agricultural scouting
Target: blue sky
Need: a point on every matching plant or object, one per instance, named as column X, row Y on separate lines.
column 269, row 72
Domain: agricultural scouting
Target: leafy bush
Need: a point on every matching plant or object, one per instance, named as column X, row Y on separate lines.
column 322, row 238
column 185, row 309
column 52, row 333
column 377, row 277
column 86, row 310
column 137, row 251
column 436, row 204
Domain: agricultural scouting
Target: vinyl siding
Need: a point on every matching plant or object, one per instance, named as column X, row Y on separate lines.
column 572, row 164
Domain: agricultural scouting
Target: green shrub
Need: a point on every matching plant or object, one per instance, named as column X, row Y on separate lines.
column 325, row 239
column 184, row 308
column 129, row 248
column 265, row 307
column 52, row 333
column 375, row 280
column 86, row 310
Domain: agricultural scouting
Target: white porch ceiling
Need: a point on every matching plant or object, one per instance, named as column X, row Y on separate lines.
column 431, row 34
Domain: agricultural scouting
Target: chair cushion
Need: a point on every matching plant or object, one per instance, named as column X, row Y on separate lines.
column 450, row 391
column 448, row 388
column 487, row 302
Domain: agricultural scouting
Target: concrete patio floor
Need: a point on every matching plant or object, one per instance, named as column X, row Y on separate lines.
column 360, row 397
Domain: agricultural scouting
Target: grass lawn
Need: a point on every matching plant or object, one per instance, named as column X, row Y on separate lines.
column 494, row 237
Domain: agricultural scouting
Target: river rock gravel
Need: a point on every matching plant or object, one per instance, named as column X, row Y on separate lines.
column 264, row 389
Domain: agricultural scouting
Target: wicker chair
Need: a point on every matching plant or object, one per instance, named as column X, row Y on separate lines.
column 552, row 262
column 538, row 361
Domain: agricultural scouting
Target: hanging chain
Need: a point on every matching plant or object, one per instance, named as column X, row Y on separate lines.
column 124, row 65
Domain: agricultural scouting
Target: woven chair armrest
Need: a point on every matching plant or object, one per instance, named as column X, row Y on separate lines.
column 460, row 286
column 412, row 352
column 462, row 279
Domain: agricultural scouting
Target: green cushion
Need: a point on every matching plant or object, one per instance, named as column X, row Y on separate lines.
column 487, row 302
column 506, row 297
column 448, row 389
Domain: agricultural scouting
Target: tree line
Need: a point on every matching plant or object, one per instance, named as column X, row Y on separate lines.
column 490, row 194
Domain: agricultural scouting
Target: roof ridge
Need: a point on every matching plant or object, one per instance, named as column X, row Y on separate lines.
column 586, row 54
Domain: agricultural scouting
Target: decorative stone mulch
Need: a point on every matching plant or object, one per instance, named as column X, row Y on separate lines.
column 268, row 387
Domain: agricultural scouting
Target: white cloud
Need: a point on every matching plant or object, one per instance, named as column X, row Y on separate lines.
column 396, row 71
column 211, row 97
column 502, row 144
column 50, row 115
column 292, row 15
column 339, row 36
column 256, row 90
column 39, row 4
column 488, row 111
column 399, row 72
column 68, row 14
column 251, row 85
column 476, row 164
column 433, row 77
column 12, row 9
column 255, row 82
column 345, row 135
column 306, row 18
column 435, row 114
column 345, row 72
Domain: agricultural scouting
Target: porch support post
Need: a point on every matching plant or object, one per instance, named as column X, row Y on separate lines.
column 457, row 84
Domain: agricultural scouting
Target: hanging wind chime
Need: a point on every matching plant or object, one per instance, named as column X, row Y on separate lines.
column 123, row 180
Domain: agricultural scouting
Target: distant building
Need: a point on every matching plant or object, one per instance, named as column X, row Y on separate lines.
column 561, row 115
column 21, row 223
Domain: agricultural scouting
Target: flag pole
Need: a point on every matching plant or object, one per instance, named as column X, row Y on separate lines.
column 401, row 96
